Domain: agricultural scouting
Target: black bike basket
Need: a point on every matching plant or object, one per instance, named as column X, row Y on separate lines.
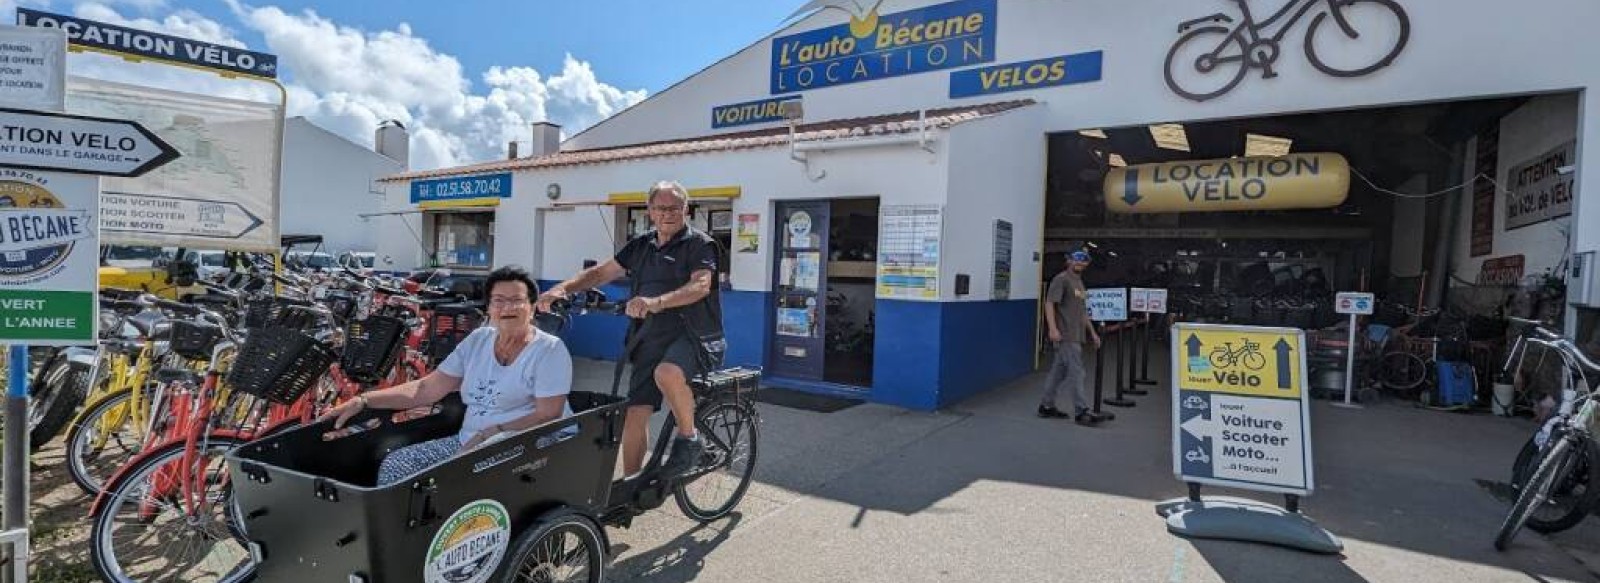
column 449, row 325
column 279, row 364
column 194, row 340
column 274, row 311
column 371, row 347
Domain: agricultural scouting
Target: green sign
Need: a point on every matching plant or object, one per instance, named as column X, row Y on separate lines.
column 46, row 315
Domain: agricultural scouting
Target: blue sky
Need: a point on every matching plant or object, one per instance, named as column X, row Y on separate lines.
column 465, row 76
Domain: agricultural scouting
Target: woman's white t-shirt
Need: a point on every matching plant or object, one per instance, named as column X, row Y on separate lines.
column 495, row 393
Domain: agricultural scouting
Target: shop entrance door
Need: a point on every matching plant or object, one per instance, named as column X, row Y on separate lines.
column 798, row 278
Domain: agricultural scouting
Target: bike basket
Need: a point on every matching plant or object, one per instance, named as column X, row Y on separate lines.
column 342, row 303
column 371, row 347
column 449, row 325
column 279, row 364
column 274, row 311
column 194, row 340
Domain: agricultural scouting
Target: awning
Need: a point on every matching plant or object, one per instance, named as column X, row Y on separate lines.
column 714, row 193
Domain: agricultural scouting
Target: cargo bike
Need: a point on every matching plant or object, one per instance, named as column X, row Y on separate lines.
column 530, row 507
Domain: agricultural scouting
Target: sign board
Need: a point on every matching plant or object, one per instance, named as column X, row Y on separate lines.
column 1002, row 260
column 1240, row 408
column 1035, row 74
column 1108, row 304
column 75, row 143
column 191, row 217
column 461, row 188
column 33, row 66
column 909, row 239
column 229, row 154
column 871, row 46
column 1487, row 163
column 139, row 43
column 1148, row 301
column 1504, row 271
column 749, row 112
column 1361, row 304
column 1537, row 190
column 49, row 258
column 1295, row 181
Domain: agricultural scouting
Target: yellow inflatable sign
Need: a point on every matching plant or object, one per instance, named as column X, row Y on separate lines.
column 1296, row 181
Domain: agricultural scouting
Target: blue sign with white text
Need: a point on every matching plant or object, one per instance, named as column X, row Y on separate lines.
column 132, row 41
column 461, row 187
column 872, row 46
column 749, row 112
column 1050, row 72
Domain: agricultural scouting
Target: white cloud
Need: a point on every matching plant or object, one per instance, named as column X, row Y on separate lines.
column 347, row 80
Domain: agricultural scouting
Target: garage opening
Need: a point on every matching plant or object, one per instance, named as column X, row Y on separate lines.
column 1455, row 214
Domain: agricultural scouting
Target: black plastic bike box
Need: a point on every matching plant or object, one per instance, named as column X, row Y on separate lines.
column 311, row 512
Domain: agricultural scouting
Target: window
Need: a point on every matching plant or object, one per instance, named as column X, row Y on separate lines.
column 713, row 218
column 464, row 239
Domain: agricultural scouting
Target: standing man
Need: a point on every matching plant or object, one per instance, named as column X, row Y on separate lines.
column 672, row 270
column 1067, row 314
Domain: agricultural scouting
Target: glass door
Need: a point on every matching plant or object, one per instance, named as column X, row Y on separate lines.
column 798, row 277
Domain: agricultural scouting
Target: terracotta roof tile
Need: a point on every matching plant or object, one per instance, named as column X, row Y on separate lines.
column 897, row 123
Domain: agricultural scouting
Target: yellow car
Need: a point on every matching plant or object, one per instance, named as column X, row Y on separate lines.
column 147, row 269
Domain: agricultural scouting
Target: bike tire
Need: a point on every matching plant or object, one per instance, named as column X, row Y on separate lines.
column 1254, row 360
column 1402, row 371
column 1394, row 52
column 1172, row 53
column 527, row 561
column 89, row 476
column 719, row 438
column 1220, row 358
column 101, row 549
column 58, row 390
column 1585, row 470
column 1533, row 493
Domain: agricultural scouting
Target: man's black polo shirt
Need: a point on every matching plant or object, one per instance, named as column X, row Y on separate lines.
column 658, row 270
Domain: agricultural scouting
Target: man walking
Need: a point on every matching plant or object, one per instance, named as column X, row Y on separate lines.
column 1067, row 315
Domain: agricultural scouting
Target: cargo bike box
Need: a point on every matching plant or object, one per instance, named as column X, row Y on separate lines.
column 310, row 509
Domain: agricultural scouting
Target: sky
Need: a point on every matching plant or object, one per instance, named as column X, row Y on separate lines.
column 464, row 76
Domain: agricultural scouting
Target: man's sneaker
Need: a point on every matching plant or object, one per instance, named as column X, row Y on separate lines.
column 1052, row 413
column 682, row 458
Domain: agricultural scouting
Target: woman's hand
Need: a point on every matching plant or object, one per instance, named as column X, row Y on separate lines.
column 344, row 411
column 481, row 437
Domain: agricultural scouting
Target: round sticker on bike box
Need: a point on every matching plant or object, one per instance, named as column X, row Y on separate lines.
column 37, row 232
column 470, row 544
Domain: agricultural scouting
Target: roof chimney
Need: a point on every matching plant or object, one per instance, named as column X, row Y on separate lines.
column 511, row 150
column 546, row 139
column 391, row 140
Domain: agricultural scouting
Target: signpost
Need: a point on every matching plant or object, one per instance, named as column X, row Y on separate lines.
column 75, row 143
column 1356, row 304
column 1109, row 305
column 188, row 217
column 1147, row 301
column 1241, row 419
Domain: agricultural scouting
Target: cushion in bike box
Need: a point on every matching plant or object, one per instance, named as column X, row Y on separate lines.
column 311, row 512
column 1456, row 386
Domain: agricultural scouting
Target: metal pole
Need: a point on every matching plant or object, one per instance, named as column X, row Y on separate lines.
column 1144, row 362
column 1350, row 366
column 1133, row 359
column 14, row 468
column 1100, row 372
column 1120, row 400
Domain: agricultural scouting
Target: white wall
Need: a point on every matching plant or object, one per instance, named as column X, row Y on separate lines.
column 1544, row 123
column 895, row 174
column 997, row 171
column 327, row 184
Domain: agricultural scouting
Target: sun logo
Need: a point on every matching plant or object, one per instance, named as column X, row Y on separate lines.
column 862, row 20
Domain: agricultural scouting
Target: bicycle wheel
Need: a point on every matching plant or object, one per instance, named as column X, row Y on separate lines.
column 1402, row 371
column 1206, row 77
column 1534, row 493
column 720, row 480
column 1221, row 358
column 144, row 531
column 1254, row 360
column 563, row 546
column 1572, row 494
column 57, row 392
column 1366, row 17
column 102, row 440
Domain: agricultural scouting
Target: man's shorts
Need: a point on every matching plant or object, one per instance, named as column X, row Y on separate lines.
column 679, row 350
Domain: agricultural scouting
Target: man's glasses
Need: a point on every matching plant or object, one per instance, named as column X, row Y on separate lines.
column 666, row 208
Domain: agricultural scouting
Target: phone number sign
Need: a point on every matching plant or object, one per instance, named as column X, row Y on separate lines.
column 462, row 187
column 1240, row 408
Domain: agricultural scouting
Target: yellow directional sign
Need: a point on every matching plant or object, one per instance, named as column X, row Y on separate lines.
column 1261, row 362
column 1295, row 181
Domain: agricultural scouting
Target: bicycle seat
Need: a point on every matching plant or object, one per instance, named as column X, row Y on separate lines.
column 150, row 326
column 167, row 376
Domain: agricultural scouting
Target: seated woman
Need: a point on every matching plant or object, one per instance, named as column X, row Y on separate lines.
column 512, row 376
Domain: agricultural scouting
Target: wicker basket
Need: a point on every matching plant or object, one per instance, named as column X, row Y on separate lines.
column 279, row 364
column 371, row 348
column 194, row 340
column 275, row 312
column 449, row 325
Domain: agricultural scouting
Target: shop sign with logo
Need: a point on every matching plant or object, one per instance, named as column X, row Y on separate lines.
column 1148, row 301
column 1358, row 303
column 1108, row 304
column 457, row 188
column 140, row 43
column 1213, row 54
column 49, row 257
column 1296, row 181
column 470, row 545
column 871, row 46
column 1537, row 190
column 1035, row 74
column 1502, row 270
column 1241, row 408
column 749, row 112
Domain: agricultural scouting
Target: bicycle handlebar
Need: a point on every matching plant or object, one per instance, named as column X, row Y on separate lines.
column 1536, row 328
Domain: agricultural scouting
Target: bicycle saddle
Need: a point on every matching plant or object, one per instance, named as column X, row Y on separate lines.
column 150, row 325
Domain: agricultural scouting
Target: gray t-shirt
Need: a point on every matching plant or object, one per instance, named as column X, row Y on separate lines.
column 499, row 394
column 1068, row 297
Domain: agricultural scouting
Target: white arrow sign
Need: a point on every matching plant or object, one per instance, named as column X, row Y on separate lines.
column 75, row 143
column 166, row 215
